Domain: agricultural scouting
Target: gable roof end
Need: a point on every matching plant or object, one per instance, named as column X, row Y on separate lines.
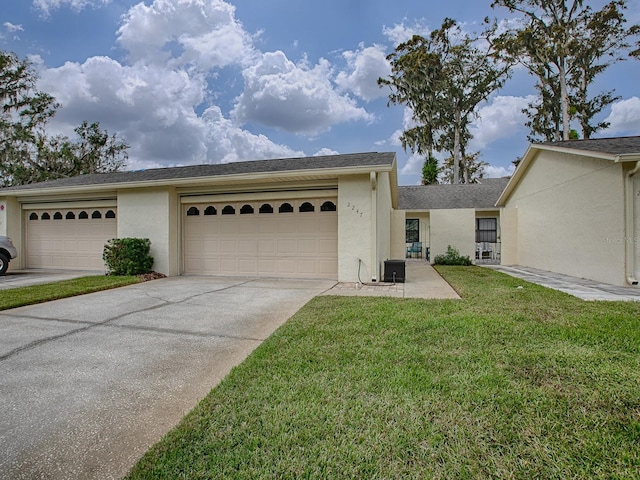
column 616, row 149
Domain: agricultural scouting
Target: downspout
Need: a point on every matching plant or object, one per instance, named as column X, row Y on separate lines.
column 373, row 177
column 629, row 241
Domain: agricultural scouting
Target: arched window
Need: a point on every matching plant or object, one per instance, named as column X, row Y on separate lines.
column 307, row 207
column 96, row 214
column 45, row 216
column 210, row 210
column 228, row 210
column 33, row 216
column 70, row 216
column 285, row 208
column 110, row 214
column 83, row 215
column 57, row 216
column 193, row 212
column 266, row 208
column 328, row 207
column 246, row 209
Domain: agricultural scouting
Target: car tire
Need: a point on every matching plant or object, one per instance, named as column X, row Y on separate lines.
column 4, row 263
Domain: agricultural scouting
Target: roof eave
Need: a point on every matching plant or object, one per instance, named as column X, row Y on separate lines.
column 265, row 177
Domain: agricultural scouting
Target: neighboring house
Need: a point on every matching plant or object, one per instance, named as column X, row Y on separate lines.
column 463, row 216
column 573, row 207
column 319, row 217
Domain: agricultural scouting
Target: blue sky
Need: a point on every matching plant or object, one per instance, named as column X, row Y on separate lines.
column 210, row 81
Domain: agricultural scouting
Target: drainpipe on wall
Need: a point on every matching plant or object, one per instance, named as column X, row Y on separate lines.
column 629, row 243
column 373, row 177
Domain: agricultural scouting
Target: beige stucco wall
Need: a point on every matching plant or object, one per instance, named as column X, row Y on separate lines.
column 455, row 227
column 509, row 236
column 398, row 246
column 354, row 229
column 383, row 224
column 570, row 217
column 635, row 239
column 153, row 214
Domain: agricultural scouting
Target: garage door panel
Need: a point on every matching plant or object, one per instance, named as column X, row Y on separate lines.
column 67, row 243
column 292, row 244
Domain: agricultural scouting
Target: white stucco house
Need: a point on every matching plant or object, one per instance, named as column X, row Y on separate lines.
column 570, row 207
column 319, row 217
column 573, row 207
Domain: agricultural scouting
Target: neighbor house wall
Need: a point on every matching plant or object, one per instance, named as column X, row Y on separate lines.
column 11, row 226
column 354, row 229
column 455, row 227
column 635, row 239
column 153, row 214
column 571, row 217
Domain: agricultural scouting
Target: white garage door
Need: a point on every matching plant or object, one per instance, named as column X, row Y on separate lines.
column 286, row 238
column 70, row 239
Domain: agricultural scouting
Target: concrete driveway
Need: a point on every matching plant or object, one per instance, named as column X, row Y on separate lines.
column 88, row 384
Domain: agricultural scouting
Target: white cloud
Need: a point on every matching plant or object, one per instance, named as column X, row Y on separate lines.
column 400, row 32
column 493, row 171
column 324, row 152
column 366, row 65
column 11, row 28
column 45, row 6
column 293, row 97
column 501, row 118
column 199, row 33
column 624, row 117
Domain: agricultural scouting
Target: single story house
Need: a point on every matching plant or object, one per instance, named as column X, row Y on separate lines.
column 573, row 207
column 319, row 217
column 464, row 216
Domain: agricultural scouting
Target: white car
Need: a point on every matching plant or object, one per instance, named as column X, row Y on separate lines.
column 7, row 253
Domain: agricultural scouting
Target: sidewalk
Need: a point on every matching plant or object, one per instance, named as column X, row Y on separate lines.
column 422, row 281
column 578, row 287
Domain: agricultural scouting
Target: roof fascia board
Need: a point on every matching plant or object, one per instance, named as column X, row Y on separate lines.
column 210, row 180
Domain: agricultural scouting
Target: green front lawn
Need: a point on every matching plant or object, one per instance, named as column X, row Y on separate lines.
column 21, row 296
column 506, row 383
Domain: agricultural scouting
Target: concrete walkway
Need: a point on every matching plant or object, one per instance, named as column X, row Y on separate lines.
column 578, row 287
column 422, row 281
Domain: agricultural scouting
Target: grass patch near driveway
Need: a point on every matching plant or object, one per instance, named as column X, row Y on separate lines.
column 506, row 383
column 21, row 296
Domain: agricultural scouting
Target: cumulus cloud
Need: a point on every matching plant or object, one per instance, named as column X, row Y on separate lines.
column 624, row 117
column 46, row 6
column 493, row 171
column 11, row 28
column 500, row 118
column 293, row 97
column 365, row 66
column 185, row 32
column 400, row 32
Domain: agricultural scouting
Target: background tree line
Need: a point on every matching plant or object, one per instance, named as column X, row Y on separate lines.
column 443, row 79
column 27, row 153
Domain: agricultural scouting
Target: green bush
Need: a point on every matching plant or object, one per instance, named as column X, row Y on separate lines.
column 127, row 256
column 452, row 257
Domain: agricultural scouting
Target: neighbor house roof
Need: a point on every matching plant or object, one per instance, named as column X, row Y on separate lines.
column 481, row 195
column 615, row 149
column 283, row 168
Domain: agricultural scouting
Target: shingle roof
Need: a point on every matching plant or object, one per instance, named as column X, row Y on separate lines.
column 611, row 146
column 372, row 159
column 473, row 195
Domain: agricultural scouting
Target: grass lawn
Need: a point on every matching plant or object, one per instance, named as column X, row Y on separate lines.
column 21, row 296
column 506, row 383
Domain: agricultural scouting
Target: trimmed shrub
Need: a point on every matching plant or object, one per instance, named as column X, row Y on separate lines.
column 452, row 257
column 127, row 256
